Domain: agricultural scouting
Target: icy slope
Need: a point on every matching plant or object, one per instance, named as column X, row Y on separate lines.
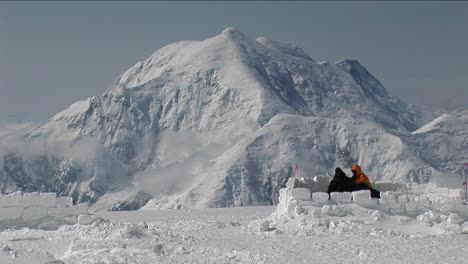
column 443, row 143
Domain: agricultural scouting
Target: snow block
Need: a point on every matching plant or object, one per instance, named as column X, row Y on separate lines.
column 388, row 198
column 61, row 211
column 8, row 213
column 455, row 206
column 388, row 203
column 71, row 220
column 423, row 201
column 363, row 198
column 35, row 212
column 321, row 197
column 443, row 191
column 40, row 210
column 85, row 219
column 301, row 194
column 81, row 208
column 307, row 203
column 389, row 186
column 31, row 199
column 341, row 197
column 456, row 193
column 12, row 199
column 361, row 195
column 47, row 199
column 430, row 218
column 416, row 205
column 64, row 201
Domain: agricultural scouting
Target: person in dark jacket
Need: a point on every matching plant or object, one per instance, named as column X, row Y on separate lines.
column 340, row 183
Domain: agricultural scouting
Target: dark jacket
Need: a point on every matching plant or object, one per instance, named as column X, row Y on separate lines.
column 363, row 186
column 340, row 182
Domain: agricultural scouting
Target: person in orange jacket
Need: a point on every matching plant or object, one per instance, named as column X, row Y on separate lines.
column 362, row 181
column 359, row 177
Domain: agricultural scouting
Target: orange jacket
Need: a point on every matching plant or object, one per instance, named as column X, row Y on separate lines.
column 361, row 177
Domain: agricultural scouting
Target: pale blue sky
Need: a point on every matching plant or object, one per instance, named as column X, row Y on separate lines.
column 55, row 53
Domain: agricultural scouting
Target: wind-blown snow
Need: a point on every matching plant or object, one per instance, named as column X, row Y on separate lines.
column 431, row 125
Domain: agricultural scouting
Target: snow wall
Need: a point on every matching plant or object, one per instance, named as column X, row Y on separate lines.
column 320, row 184
column 301, row 211
column 41, row 210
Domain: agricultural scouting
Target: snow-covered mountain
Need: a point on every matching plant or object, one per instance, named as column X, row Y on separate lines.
column 218, row 122
column 443, row 143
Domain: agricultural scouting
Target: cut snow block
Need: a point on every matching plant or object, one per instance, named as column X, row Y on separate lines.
column 47, row 199
column 389, row 186
column 301, row 193
column 388, row 198
column 34, row 212
column 81, row 208
column 403, row 199
column 8, row 213
column 61, row 211
column 70, row 220
column 321, row 197
column 17, row 197
column 85, row 219
column 423, row 201
column 63, row 201
column 3, row 201
column 31, row 199
column 455, row 206
column 418, row 206
column 341, row 197
column 303, row 203
column 361, row 195
column 12, row 199
column 412, row 208
column 363, row 198
column 456, row 193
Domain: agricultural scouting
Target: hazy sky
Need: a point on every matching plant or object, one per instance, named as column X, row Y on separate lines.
column 55, row 53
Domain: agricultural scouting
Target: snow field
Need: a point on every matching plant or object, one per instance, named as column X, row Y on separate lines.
column 223, row 235
column 40, row 210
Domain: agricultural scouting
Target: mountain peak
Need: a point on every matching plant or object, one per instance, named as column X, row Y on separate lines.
column 358, row 71
column 233, row 33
